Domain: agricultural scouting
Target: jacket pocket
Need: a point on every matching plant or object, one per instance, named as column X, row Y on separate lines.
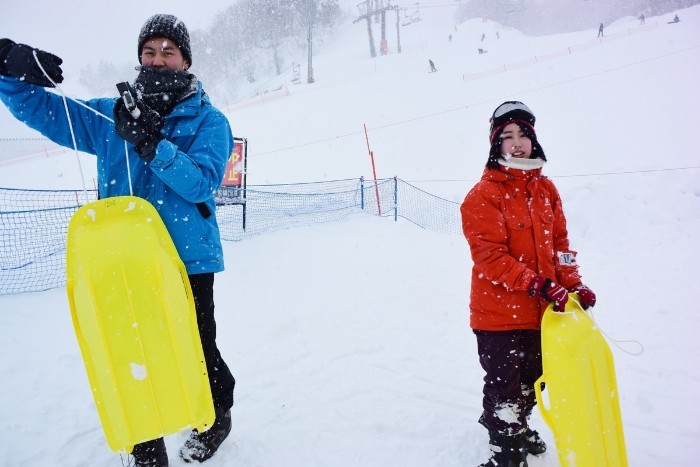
column 519, row 223
column 547, row 217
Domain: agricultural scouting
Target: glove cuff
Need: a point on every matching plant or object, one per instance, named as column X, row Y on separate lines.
column 537, row 285
column 5, row 46
column 147, row 150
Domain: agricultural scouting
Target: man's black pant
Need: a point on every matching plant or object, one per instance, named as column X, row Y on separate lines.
column 513, row 362
column 220, row 378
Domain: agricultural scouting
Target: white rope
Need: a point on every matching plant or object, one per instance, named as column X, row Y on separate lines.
column 128, row 169
column 614, row 342
column 70, row 125
column 85, row 105
column 617, row 342
column 72, row 133
column 130, row 460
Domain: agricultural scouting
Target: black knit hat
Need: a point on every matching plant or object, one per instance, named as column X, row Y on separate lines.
column 512, row 112
column 168, row 26
column 508, row 112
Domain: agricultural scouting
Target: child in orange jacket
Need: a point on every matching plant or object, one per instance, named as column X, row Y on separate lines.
column 516, row 229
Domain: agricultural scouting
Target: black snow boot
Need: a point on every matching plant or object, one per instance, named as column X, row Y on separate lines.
column 506, row 451
column 532, row 442
column 150, row 454
column 201, row 446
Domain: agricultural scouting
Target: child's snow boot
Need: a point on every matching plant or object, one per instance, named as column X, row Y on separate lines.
column 201, row 446
column 532, row 442
column 506, row 451
column 150, row 454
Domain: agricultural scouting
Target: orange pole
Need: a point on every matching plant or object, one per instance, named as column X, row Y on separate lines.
column 374, row 171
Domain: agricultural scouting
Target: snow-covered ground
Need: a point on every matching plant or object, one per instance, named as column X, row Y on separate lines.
column 350, row 341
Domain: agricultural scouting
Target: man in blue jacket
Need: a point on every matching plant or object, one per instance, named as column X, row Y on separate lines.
column 177, row 151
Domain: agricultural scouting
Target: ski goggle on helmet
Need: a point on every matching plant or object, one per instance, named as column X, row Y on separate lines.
column 510, row 111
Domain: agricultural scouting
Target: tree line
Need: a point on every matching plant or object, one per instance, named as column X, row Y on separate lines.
column 248, row 41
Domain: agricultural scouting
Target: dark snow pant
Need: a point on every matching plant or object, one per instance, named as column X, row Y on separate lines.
column 513, row 362
column 220, row 378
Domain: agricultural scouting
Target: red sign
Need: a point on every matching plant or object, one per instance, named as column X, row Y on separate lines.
column 234, row 166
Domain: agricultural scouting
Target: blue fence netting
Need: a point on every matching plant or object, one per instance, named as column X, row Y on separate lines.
column 34, row 223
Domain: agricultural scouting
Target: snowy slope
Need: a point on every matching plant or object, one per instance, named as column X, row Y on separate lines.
column 350, row 341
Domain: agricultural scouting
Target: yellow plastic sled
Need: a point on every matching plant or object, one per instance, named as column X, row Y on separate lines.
column 579, row 372
column 135, row 321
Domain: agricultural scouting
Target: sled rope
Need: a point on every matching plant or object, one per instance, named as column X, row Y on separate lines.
column 615, row 342
column 70, row 124
column 72, row 133
column 130, row 460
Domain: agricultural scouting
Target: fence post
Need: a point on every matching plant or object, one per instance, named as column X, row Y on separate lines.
column 362, row 192
column 374, row 172
column 396, row 199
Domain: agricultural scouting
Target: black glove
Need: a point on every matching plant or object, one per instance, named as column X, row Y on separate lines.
column 18, row 60
column 550, row 291
column 143, row 132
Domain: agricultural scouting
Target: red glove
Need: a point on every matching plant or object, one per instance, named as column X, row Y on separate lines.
column 549, row 290
column 585, row 294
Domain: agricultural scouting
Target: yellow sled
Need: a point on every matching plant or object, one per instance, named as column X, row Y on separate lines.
column 135, row 321
column 583, row 410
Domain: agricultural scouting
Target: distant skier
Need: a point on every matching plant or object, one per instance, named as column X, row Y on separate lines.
column 483, row 36
column 483, row 51
column 642, row 19
column 432, row 66
column 600, row 30
column 676, row 19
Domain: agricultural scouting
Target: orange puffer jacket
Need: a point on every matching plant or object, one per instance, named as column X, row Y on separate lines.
column 515, row 226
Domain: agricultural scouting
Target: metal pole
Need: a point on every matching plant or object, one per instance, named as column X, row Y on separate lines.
column 310, row 71
column 372, row 52
column 383, row 44
column 362, row 192
column 245, row 178
column 398, row 34
column 396, row 199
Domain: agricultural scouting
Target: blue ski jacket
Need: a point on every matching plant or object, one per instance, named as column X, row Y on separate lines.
column 180, row 181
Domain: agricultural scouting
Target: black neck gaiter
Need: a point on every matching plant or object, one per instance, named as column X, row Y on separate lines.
column 161, row 89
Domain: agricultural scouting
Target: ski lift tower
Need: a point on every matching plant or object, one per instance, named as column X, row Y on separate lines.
column 378, row 9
